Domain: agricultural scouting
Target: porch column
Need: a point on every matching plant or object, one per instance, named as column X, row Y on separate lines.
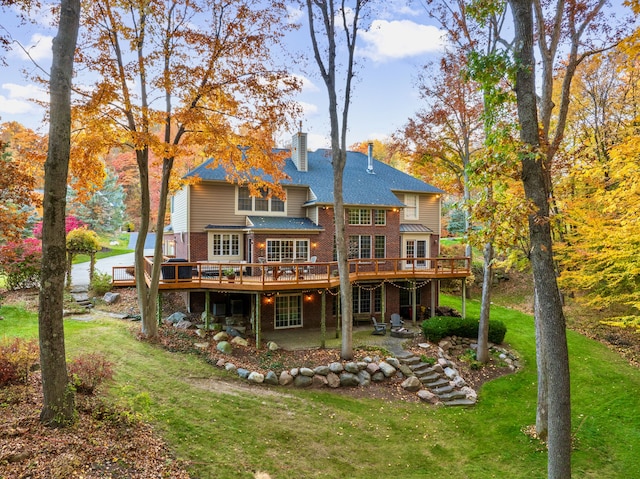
column 383, row 301
column 433, row 299
column 323, row 319
column 464, row 297
column 207, row 309
column 414, row 294
column 257, row 325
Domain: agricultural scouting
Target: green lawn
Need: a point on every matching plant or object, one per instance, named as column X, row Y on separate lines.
column 320, row 434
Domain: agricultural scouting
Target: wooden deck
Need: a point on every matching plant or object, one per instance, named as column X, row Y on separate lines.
column 258, row 277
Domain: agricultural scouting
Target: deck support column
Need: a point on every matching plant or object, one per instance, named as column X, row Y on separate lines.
column 159, row 307
column 383, row 301
column 464, row 297
column 432, row 313
column 414, row 294
column 207, row 309
column 323, row 319
column 257, row 326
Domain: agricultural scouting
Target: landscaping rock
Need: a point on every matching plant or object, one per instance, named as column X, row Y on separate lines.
column 221, row 336
column 243, row 373
column 224, row 347
column 184, row 324
column 255, row 377
column 306, row 372
column 239, row 341
column 373, row 368
column 333, row 380
column 320, row 381
column 111, row 298
column 364, row 378
column 378, row 377
column 301, row 381
column 387, row 369
column 336, row 368
column 176, row 317
column 322, row 370
column 285, row 378
column 201, row 345
column 394, row 362
column 231, row 367
column 271, row 378
column 411, row 384
column 272, row 346
column 427, row 396
column 352, row 368
column 349, row 380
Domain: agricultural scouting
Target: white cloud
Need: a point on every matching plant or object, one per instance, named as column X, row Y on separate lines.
column 39, row 48
column 25, row 92
column 315, row 141
column 307, row 84
column 387, row 40
column 308, row 109
column 294, row 14
column 14, row 107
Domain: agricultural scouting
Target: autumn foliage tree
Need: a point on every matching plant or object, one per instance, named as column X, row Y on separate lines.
column 176, row 80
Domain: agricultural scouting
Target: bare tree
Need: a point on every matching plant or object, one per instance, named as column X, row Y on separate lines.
column 58, row 402
column 322, row 26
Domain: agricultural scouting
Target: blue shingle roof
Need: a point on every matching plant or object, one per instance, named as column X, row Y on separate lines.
column 282, row 223
column 359, row 186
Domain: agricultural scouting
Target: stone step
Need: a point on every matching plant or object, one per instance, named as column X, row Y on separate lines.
column 421, row 367
column 451, row 396
column 428, row 378
column 436, row 384
column 442, row 390
column 460, row 402
column 403, row 355
column 410, row 361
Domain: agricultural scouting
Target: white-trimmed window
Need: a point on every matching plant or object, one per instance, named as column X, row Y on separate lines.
column 359, row 246
column 359, row 217
column 259, row 204
column 287, row 249
column 288, row 311
column 416, row 249
column 380, row 217
column 225, row 244
column 367, row 300
column 411, row 207
column 380, row 246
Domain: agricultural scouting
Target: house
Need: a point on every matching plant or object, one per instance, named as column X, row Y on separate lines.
column 282, row 250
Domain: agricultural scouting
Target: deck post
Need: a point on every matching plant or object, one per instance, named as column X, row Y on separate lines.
column 383, row 301
column 414, row 294
column 464, row 297
column 207, row 309
column 257, row 325
column 432, row 313
column 323, row 319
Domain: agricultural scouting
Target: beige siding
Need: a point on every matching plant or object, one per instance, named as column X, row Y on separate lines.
column 296, row 197
column 179, row 212
column 429, row 212
column 213, row 203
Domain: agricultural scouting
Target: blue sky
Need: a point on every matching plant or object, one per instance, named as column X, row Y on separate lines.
column 399, row 40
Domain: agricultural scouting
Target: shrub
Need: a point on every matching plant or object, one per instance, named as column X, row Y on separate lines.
column 82, row 240
column 17, row 358
column 436, row 328
column 21, row 263
column 100, row 283
column 70, row 223
column 88, row 371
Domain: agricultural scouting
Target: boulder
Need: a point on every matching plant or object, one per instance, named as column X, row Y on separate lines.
column 411, row 384
column 387, row 369
column 221, row 336
column 285, row 378
column 302, row 381
column 224, row 347
column 272, row 346
column 111, row 298
column 255, row 377
column 239, row 341
column 176, row 317
column 333, row 380
column 271, row 378
column 184, row 324
column 349, row 380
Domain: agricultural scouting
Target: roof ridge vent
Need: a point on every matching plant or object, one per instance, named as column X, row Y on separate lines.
column 370, row 159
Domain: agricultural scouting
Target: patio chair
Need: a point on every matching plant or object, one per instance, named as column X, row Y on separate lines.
column 379, row 329
column 396, row 321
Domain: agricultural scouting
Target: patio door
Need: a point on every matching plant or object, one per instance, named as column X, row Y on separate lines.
column 288, row 311
column 416, row 248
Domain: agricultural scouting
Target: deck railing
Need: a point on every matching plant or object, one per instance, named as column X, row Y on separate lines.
column 275, row 275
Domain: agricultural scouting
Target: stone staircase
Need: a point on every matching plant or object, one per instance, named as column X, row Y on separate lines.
column 441, row 379
column 81, row 297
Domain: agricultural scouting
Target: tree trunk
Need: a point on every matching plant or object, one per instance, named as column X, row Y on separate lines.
column 58, row 401
column 482, row 354
column 551, row 316
column 542, row 411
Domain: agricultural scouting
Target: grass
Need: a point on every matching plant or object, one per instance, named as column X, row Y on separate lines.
column 108, row 249
column 321, row 434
